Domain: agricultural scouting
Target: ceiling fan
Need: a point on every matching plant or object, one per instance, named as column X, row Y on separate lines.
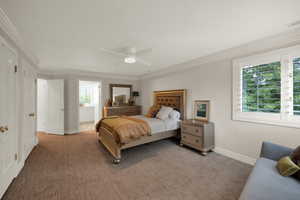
column 130, row 55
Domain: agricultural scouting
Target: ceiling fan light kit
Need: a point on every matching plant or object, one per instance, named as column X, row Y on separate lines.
column 130, row 55
column 130, row 59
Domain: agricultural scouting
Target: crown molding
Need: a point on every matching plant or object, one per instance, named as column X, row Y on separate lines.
column 12, row 33
column 79, row 73
column 285, row 39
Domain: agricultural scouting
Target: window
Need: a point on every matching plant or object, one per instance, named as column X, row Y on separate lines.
column 86, row 95
column 266, row 88
column 296, row 85
column 261, row 88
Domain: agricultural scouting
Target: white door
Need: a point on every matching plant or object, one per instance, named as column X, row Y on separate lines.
column 8, row 133
column 97, row 92
column 29, row 128
column 55, row 113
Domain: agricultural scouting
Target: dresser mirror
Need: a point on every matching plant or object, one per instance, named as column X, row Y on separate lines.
column 120, row 94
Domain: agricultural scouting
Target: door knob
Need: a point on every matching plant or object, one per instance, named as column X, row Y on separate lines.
column 2, row 130
column 31, row 115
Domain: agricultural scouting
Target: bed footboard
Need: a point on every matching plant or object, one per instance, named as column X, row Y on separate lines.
column 108, row 140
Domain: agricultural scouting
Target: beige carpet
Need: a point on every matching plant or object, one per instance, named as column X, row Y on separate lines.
column 76, row 167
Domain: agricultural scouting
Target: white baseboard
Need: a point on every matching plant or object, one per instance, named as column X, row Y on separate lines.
column 87, row 122
column 18, row 166
column 55, row 131
column 235, row 156
column 72, row 131
column 41, row 130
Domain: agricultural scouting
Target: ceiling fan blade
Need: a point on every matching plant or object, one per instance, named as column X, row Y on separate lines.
column 143, row 51
column 143, row 62
column 112, row 52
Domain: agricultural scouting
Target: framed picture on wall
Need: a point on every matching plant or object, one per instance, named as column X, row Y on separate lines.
column 201, row 110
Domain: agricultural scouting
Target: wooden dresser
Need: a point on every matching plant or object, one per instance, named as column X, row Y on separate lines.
column 198, row 135
column 121, row 110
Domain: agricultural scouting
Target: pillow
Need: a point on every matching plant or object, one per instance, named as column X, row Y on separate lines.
column 153, row 110
column 287, row 167
column 164, row 112
column 174, row 114
column 295, row 156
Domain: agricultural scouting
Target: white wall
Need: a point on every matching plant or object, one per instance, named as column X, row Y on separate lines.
column 213, row 81
column 87, row 114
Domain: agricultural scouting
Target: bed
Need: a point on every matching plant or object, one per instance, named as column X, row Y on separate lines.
column 160, row 129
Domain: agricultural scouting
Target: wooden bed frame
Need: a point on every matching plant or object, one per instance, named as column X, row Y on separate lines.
column 172, row 98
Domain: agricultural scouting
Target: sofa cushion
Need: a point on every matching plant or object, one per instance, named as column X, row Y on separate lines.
column 286, row 167
column 265, row 183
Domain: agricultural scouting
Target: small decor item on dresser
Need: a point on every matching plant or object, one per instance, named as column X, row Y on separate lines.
column 131, row 101
column 201, row 110
column 135, row 94
column 108, row 102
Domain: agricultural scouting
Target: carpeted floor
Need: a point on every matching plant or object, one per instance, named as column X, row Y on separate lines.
column 77, row 167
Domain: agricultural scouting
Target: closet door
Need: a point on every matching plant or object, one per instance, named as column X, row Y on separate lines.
column 29, row 129
column 8, row 133
column 55, row 106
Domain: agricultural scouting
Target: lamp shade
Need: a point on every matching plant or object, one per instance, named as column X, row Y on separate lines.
column 135, row 94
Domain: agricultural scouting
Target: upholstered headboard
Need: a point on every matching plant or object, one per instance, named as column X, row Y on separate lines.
column 172, row 98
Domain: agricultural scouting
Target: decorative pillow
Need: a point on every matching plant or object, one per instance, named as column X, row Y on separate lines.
column 174, row 114
column 164, row 112
column 153, row 110
column 295, row 156
column 287, row 167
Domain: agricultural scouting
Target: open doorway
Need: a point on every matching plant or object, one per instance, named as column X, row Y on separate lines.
column 50, row 106
column 89, row 104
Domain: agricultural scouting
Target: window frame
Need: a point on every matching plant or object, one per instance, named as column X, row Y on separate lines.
column 87, row 87
column 286, row 116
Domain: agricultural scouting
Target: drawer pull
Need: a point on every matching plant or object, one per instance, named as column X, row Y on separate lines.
column 183, row 136
column 197, row 141
column 196, row 130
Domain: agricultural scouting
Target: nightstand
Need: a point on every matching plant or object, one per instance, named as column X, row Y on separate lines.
column 198, row 135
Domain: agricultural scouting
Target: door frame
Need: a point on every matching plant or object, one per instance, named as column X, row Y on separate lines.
column 99, row 97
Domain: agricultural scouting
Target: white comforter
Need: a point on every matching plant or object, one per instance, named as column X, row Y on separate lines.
column 158, row 125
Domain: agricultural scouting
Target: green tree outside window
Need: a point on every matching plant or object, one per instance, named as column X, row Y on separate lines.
column 296, row 79
column 261, row 88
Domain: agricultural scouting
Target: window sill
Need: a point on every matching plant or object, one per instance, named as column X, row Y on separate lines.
column 292, row 122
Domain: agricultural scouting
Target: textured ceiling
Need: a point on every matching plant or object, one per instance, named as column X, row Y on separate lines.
column 68, row 34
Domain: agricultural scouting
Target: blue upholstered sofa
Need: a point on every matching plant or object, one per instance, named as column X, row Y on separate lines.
column 265, row 183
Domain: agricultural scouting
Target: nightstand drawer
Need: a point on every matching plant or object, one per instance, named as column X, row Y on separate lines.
column 197, row 131
column 190, row 139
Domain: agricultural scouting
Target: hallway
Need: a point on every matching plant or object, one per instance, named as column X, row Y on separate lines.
column 86, row 127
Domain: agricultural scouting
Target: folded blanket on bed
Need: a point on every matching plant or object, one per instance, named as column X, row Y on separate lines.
column 125, row 129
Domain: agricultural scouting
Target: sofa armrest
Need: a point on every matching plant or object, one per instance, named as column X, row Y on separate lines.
column 274, row 151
